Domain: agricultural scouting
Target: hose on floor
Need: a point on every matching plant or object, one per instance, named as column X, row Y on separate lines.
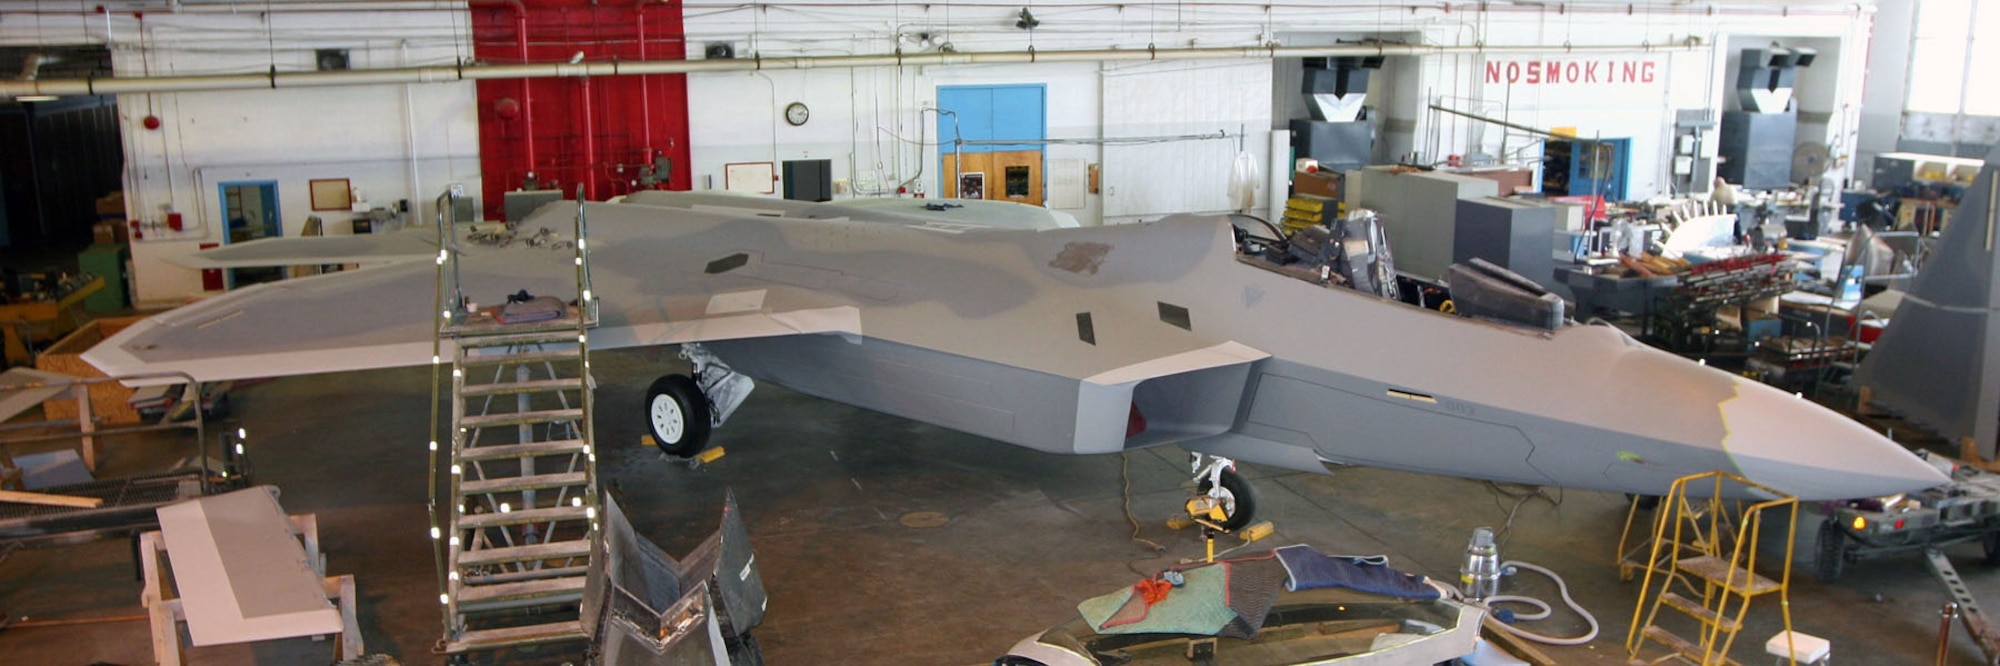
column 1542, row 608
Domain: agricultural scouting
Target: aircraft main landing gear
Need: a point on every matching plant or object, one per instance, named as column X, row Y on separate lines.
column 682, row 410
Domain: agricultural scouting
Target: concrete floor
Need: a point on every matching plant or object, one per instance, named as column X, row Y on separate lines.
column 823, row 485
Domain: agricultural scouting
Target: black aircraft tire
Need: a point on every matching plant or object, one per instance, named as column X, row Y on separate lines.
column 676, row 415
column 1830, row 558
column 1244, row 494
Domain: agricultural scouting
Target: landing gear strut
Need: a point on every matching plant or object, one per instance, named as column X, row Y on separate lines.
column 1222, row 497
column 682, row 410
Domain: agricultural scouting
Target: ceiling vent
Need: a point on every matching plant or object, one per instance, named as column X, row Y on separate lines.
column 719, row 51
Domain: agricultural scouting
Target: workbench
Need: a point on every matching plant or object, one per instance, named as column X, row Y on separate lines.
column 23, row 324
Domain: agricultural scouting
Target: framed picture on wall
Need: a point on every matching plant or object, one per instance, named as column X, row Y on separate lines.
column 972, row 186
column 331, row 194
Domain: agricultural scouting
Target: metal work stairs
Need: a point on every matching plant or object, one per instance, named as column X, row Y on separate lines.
column 516, row 526
column 1697, row 545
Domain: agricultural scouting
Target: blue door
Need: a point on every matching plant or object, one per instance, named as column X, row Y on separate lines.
column 990, row 113
column 250, row 212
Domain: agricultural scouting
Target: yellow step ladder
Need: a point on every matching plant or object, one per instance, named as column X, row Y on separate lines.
column 1697, row 546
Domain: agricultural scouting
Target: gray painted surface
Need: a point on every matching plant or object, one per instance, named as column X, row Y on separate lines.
column 1418, row 211
column 976, row 330
column 1937, row 361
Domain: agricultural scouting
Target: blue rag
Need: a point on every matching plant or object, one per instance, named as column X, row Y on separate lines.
column 1309, row 569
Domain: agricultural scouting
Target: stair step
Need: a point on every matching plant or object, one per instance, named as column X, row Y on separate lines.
column 500, row 451
column 533, row 386
column 553, row 550
column 553, row 335
column 510, row 484
column 526, row 574
column 534, row 634
column 473, row 521
column 570, row 354
column 1720, row 572
column 1683, row 647
column 534, row 592
column 520, row 418
column 1699, row 612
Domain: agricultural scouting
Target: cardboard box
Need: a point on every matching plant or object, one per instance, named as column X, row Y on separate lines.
column 1323, row 184
column 111, row 206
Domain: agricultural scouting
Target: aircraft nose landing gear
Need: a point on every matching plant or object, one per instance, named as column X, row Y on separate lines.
column 682, row 410
column 1223, row 497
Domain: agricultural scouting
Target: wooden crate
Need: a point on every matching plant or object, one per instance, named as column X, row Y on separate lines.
column 110, row 402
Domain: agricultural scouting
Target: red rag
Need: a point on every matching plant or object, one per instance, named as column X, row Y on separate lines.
column 1152, row 590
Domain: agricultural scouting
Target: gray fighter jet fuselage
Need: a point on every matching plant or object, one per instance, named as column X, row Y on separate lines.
column 1081, row 341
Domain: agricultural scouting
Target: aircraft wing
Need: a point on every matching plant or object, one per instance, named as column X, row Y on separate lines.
column 674, row 276
column 405, row 245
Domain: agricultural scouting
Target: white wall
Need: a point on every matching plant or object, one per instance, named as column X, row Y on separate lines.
column 391, row 141
column 1688, row 54
column 873, row 123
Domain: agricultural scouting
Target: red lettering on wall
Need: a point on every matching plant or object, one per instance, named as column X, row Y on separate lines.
column 1554, row 72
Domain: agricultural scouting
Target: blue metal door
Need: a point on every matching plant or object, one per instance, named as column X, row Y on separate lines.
column 990, row 113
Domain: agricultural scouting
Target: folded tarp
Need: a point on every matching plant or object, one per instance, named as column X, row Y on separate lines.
column 1199, row 607
column 1309, row 569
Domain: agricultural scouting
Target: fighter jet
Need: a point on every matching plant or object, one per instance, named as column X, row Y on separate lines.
column 1074, row 340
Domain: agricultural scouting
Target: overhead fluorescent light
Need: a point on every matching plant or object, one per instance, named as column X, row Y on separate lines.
column 36, row 98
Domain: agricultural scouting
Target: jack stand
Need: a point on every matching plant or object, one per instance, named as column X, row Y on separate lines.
column 1209, row 531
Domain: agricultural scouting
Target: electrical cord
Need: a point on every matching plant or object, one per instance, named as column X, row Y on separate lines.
column 1125, row 475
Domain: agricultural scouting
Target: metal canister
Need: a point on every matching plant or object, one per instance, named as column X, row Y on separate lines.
column 1479, row 577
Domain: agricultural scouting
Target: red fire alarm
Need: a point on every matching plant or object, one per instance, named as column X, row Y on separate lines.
column 174, row 221
column 151, row 122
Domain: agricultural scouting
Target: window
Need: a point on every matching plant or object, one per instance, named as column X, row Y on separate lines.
column 1946, row 31
column 1982, row 98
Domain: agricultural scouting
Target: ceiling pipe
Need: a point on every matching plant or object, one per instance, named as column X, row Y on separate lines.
column 472, row 72
column 1784, row 8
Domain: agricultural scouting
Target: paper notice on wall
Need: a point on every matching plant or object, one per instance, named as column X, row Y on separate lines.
column 1066, row 183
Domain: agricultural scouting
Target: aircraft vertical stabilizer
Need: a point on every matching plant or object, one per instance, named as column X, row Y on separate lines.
column 1938, row 362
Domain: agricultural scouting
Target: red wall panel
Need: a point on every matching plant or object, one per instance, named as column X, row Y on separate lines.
column 596, row 132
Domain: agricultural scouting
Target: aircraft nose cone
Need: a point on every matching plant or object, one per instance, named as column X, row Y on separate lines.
column 1789, row 443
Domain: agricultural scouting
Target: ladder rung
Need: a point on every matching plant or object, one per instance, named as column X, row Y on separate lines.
column 517, row 483
column 489, row 639
column 547, row 590
column 523, row 357
column 553, row 550
column 557, row 335
column 1699, row 612
column 520, row 418
column 473, row 521
column 500, row 451
column 1681, row 646
column 532, row 386
column 1718, row 571
column 526, row 574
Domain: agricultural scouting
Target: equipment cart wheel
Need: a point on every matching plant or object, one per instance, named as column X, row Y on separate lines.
column 677, row 415
column 1239, row 500
column 1830, row 560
